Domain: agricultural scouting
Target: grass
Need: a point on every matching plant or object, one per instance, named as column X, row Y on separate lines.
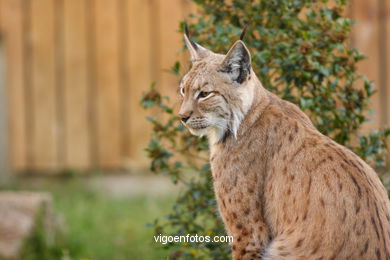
column 97, row 225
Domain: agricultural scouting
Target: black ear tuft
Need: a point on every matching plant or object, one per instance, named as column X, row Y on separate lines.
column 186, row 32
column 242, row 35
column 197, row 52
column 237, row 63
column 186, row 29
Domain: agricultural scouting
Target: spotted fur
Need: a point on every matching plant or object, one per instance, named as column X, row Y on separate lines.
column 284, row 190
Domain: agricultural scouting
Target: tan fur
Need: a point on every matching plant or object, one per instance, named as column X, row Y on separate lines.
column 284, row 190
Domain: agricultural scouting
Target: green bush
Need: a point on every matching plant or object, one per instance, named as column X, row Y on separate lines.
column 300, row 51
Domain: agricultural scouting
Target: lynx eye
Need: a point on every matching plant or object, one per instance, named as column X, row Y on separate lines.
column 203, row 94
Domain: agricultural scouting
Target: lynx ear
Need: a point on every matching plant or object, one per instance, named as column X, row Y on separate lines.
column 197, row 52
column 237, row 62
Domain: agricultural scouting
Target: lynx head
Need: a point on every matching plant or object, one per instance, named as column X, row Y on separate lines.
column 218, row 90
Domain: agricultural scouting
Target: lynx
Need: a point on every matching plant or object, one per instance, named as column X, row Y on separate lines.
column 284, row 190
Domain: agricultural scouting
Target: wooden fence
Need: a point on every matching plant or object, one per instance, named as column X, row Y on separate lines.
column 76, row 70
column 371, row 35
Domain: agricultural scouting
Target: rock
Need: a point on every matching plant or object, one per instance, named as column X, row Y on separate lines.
column 19, row 214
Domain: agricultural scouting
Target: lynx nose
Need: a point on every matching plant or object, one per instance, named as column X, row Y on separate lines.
column 184, row 118
column 185, row 111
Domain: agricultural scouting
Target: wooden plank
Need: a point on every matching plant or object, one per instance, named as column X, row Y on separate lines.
column 43, row 69
column 124, row 70
column 77, row 152
column 383, row 48
column 59, row 81
column 140, row 60
column 4, row 144
column 170, row 43
column 92, row 92
column 386, row 70
column 107, row 84
column 365, row 37
column 12, row 29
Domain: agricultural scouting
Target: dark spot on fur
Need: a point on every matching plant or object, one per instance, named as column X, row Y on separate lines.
column 315, row 250
column 296, row 127
column 344, row 215
column 343, row 166
column 290, row 231
column 378, row 254
column 309, row 185
column 359, row 190
column 297, row 152
column 357, row 207
column 375, row 227
column 379, row 219
column 338, row 250
column 299, row 243
column 319, row 164
column 322, row 202
column 327, row 183
column 364, row 251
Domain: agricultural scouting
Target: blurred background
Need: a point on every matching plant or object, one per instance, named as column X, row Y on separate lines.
column 72, row 73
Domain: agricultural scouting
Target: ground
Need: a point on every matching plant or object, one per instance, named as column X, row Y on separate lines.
column 102, row 216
